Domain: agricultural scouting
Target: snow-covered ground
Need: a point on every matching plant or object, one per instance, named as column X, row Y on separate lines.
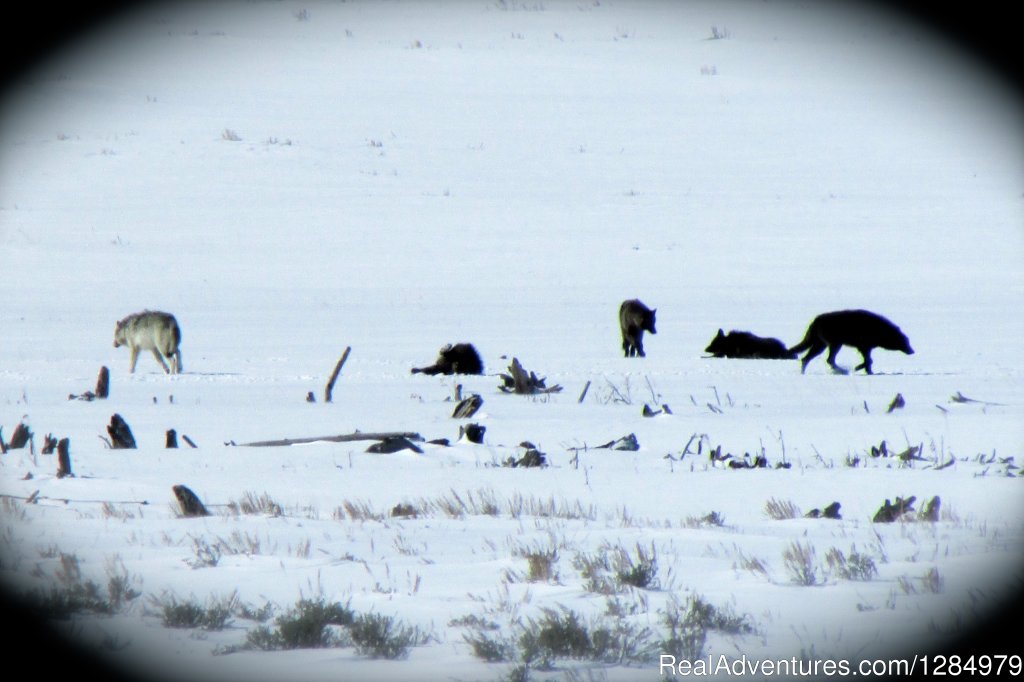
column 291, row 179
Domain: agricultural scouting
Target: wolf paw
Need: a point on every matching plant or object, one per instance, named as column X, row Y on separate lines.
column 839, row 370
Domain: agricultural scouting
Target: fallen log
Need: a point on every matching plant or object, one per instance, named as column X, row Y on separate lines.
column 394, row 444
column 344, row 438
column 627, row 443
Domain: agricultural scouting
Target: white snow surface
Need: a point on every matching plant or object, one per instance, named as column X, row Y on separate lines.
column 290, row 179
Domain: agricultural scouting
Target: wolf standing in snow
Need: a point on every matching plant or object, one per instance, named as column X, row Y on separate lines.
column 860, row 329
column 151, row 330
column 634, row 319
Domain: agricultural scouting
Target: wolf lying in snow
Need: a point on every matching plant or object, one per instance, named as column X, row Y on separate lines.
column 151, row 330
column 634, row 319
column 738, row 344
column 860, row 329
column 461, row 358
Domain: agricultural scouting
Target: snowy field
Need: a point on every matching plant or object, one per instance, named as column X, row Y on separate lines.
column 293, row 179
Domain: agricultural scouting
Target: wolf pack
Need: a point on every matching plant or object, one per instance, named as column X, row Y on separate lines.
column 859, row 329
column 863, row 330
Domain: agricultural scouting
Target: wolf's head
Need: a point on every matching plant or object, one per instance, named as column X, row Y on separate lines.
column 119, row 339
column 649, row 320
column 898, row 341
column 717, row 347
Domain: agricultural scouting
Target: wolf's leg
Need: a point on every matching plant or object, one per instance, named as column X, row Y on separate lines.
column 815, row 350
column 866, row 365
column 160, row 359
column 833, row 351
column 177, row 362
column 134, row 358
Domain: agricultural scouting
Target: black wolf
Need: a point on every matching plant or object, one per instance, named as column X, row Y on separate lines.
column 738, row 344
column 461, row 358
column 860, row 329
column 634, row 319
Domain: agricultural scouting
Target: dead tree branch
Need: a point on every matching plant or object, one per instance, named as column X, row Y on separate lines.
column 334, row 375
column 518, row 380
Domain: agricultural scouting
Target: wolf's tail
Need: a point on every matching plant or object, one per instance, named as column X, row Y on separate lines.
column 802, row 346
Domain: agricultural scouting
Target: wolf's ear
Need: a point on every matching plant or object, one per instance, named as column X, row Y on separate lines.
column 720, row 332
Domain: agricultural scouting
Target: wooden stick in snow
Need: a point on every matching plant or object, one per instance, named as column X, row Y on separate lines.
column 64, row 458
column 334, row 374
column 584, row 393
column 103, row 383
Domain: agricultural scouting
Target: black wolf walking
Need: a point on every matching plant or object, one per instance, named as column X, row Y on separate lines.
column 738, row 344
column 860, row 329
column 634, row 319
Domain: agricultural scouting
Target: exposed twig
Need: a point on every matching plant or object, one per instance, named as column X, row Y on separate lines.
column 961, row 398
column 897, row 403
column 584, row 393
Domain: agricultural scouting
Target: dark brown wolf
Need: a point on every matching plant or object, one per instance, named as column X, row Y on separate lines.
column 634, row 319
column 860, row 329
column 461, row 358
column 738, row 344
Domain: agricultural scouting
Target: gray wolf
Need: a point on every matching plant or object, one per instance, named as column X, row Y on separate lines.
column 460, row 358
column 154, row 331
column 634, row 319
column 860, row 329
column 737, row 344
